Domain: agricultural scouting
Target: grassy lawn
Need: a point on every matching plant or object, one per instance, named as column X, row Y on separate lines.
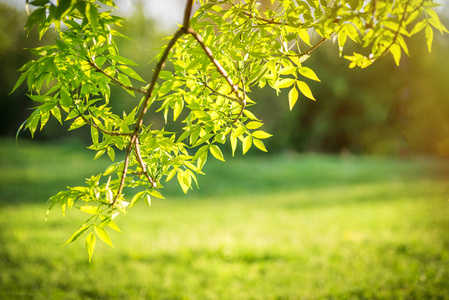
column 262, row 227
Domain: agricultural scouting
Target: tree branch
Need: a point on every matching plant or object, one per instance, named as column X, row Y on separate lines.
column 149, row 93
column 313, row 47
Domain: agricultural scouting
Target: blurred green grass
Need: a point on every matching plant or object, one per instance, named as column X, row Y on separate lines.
column 260, row 227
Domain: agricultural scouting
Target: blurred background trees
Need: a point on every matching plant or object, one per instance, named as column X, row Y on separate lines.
column 383, row 109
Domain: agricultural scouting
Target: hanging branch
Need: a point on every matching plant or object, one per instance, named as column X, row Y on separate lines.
column 149, row 93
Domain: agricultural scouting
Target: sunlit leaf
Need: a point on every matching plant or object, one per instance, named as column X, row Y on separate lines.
column 292, row 97
column 247, row 142
column 90, row 245
column 216, row 152
column 259, row 134
column 103, row 235
column 304, row 89
column 77, row 234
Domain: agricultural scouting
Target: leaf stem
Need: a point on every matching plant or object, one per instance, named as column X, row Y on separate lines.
column 113, row 133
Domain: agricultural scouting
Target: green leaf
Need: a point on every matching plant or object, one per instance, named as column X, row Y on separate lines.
column 216, row 152
column 90, row 245
column 259, row 134
column 19, row 82
column 130, row 72
column 122, row 60
column 66, row 100
column 288, row 70
column 418, row 27
column 284, row 83
column 33, row 121
column 247, row 141
column 109, row 2
column 179, row 105
column 308, row 73
column 254, row 125
column 148, row 200
column 292, row 97
column 111, row 153
column 233, row 143
column 429, row 37
column 114, row 226
column 183, row 181
column 137, row 197
column 92, row 15
column 304, row 89
column 260, row 145
column 395, row 50
column 77, row 123
column 239, row 131
column 304, row 35
column 56, row 113
column 77, row 234
column 103, row 235
column 123, row 79
column 100, row 153
column 93, row 210
column 156, row 194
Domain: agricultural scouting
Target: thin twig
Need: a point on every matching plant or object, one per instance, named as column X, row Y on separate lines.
column 113, row 133
column 129, row 88
column 399, row 29
column 243, row 104
column 142, row 164
column 313, row 47
column 217, row 64
column 220, row 94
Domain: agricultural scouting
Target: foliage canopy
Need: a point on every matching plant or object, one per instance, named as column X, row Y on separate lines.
column 217, row 56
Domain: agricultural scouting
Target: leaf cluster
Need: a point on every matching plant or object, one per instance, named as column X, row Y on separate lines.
column 217, row 56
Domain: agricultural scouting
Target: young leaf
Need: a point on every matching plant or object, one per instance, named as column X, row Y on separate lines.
column 77, row 123
column 260, row 145
column 216, row 152
column 259, row 134
column 305, row 90
column 19, row 82
column 292, row 97
column 77, row 234
column 92, row 15
column 114, row 226
column 89, row 209
column 156, row 194
column 254, row 125
column 130, row 72
column 284, row 83
column 90, row 245
column 247, row 141
column 122, row 60
column 233, row 143
column 111, row 153
column 137, row 197
column 103, row 235
column 429, row 37
column 148, row 200
column 308, row 73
